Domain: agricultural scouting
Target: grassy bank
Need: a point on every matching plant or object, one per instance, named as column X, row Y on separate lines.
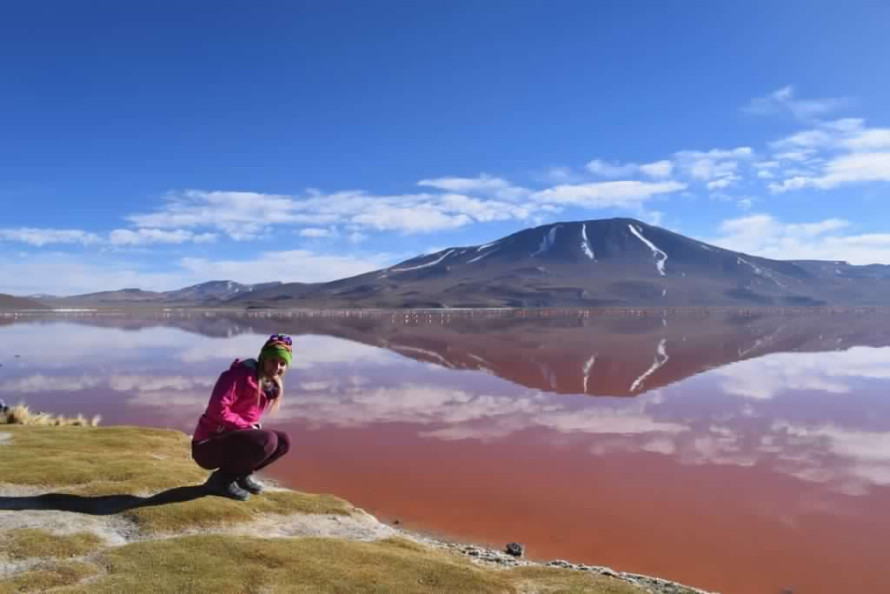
column 119, row 509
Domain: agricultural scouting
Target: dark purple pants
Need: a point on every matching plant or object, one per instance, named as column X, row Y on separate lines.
column 241, row 452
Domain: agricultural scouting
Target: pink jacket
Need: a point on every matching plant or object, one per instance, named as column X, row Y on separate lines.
column 233, row 404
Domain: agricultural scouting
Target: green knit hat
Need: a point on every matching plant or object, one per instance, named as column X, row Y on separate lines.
column 278, row 345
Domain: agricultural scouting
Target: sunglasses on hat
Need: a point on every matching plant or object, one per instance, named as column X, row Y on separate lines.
column 282, row 338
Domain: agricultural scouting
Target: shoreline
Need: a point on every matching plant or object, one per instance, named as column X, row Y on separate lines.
column 58, row 512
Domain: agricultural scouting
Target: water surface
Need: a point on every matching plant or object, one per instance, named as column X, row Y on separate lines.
column 736, row 451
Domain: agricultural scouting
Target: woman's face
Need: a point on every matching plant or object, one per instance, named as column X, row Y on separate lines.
column 274, row 366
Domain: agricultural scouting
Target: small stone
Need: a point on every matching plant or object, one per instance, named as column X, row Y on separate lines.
column 515, row 549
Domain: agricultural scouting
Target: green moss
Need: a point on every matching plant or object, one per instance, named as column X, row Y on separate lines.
column 30, row 543
column 48, row 575
column 97, row 462
column 544, row 580
column 215, row 511
column 227, row 564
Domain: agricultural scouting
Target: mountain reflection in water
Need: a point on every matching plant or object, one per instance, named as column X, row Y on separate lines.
column 749, row 451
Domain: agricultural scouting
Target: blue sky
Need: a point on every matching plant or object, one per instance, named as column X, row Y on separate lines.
column 160, row 146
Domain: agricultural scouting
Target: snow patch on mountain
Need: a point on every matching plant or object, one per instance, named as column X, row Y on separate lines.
column 547, row 241
column 760, row 271
column 585, row 243
column 427, row 265
column 659, row 262
column 479, row 257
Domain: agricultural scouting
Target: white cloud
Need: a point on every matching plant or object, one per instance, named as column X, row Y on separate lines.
column 156, row 383
column 313, row 351
column 37, row 383
column 421, row 218
column 832, row 154
column 41, row 237
column 607, row 194
column 869, row 140
column 248, row 215
column 150, row 236
column 716, row 164
column 486, row 210
column 830, row 372
column 658, row 168
column 241, row 215
column 851, row 168
column 483, row 183
column 289, row 266
column 796, row 156
column 784, row 101
column 611, row 170
column 864, row 456
column 561, row 175
column 857, row 167
column 317, row 232
column 453, row 414
column 118, row 237
column 84, row 345
column 763, row 235
column 70, row 274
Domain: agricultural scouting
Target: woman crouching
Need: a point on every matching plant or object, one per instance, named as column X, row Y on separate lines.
column 228, row 436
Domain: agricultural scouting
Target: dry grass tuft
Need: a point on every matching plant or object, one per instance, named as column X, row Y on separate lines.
column 226, row 564
column 20, row 414
column 98, row 461
column 32, row 543
column 46, row 576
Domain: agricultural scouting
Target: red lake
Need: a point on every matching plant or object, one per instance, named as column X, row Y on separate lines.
column 736, row 451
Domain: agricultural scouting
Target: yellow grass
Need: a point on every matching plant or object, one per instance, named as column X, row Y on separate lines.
column 95, row 462
column 230, row 565
column 20, row 414
column 52, row 574
column 31, row 543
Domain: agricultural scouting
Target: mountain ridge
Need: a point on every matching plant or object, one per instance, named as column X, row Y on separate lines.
column 605, row 262
column 599, row 262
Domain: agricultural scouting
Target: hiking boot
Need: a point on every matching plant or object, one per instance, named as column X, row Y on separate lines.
column 225, row 485
column 250, row 485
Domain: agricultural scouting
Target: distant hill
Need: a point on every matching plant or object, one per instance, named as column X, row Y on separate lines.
column 204, row 294
column 611, row 262
column 617, row 262
column 8, row 302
